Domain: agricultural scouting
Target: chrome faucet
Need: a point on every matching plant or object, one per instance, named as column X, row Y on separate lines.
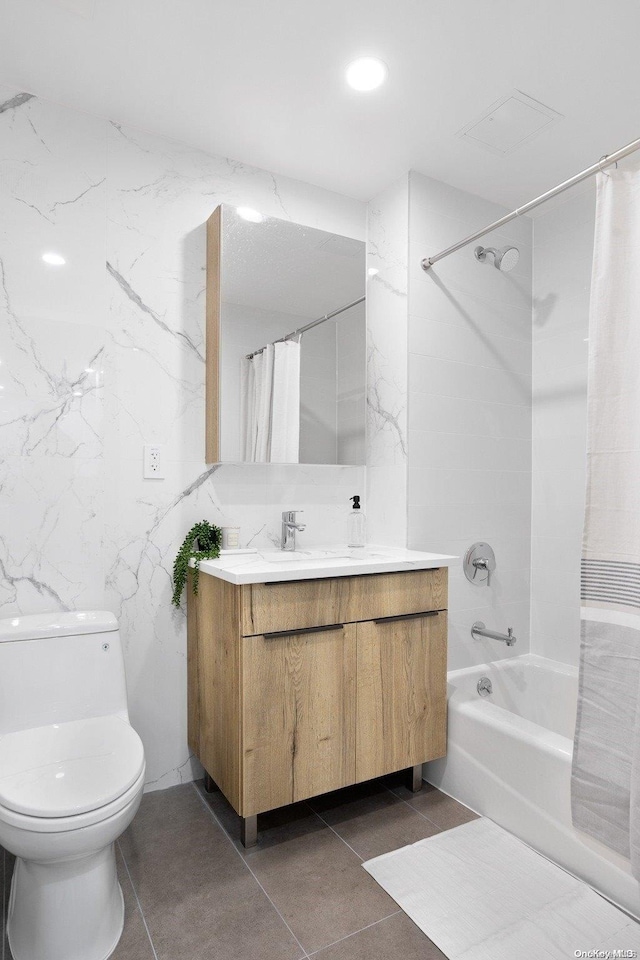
column 479, row 630
column 289, row 527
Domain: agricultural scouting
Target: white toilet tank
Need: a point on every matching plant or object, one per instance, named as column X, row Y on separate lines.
column 56, row 667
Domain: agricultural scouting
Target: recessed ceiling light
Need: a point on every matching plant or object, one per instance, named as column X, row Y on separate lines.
column 248, row 213
column 366, row 73
column 372, row 271
column 54, row 259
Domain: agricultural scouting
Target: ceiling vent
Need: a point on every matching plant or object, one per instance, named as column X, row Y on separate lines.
column 510, row 123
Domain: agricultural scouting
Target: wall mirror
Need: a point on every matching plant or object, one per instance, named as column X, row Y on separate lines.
column 275, row 394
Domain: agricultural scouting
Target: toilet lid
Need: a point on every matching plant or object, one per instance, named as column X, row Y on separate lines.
column 65, row 769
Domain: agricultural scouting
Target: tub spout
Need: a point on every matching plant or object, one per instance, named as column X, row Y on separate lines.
column 479, row 630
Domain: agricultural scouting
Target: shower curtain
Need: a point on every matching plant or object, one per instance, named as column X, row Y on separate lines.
column 606, row 758
column 271, row 404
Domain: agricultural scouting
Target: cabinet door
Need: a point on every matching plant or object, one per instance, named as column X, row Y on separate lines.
column 298, row 727
column 401, row 693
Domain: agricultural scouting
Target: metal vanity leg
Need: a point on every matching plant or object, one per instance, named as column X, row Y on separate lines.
column 414, row 778
column 210, row 785
column 249, row 831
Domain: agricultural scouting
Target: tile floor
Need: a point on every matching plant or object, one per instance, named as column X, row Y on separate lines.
column 193, row 893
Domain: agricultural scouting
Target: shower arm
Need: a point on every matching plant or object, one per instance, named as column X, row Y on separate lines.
column 605, row 161
column 479, row 630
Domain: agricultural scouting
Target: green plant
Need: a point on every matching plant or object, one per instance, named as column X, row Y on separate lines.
column 201, row 543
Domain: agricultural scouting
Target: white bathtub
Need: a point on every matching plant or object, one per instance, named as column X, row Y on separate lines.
column 509, row 758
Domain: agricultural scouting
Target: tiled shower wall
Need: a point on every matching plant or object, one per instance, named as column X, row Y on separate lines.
column 106, row 354
column 562, row 256
column 469, row 475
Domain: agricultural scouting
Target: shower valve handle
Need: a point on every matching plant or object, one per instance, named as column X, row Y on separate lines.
column 479, row 556
column 484, row 563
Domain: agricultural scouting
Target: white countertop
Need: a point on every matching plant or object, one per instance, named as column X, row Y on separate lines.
column 271, row 566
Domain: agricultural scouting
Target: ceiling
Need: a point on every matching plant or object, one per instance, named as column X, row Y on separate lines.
column 263, row 82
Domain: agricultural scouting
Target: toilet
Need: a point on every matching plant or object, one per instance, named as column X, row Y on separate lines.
column 71, row 779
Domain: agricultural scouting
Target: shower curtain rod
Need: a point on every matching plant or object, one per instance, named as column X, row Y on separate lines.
column 605, row 161
column 308, row 326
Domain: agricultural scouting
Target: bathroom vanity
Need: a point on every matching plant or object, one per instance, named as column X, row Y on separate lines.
column 306, row 676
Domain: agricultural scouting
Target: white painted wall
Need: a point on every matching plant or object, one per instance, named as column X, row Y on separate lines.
column 469, row 474
column 562, row 255
column 96, row 362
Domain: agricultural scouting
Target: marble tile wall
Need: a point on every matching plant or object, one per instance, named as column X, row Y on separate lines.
column 106, row 354
column 562, row 255
column 469, row 474
column 387, row 373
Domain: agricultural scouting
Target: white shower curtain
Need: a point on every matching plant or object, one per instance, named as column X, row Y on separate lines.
column 606, row 757
column 271, row 404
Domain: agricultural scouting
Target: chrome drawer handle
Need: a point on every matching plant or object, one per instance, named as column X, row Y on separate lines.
column 293, row 633
column 408, row 616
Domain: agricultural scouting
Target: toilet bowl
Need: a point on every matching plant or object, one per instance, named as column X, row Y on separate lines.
column 71, row 780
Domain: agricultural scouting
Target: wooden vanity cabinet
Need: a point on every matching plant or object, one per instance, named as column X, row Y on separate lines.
column 299, row 688
column 299, row 740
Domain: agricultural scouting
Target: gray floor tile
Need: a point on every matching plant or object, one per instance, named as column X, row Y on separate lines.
column 319, row 886
column 134, row 942
column 3, row 896
column 373, row 821
column 292, row 821
column 8, row 861
column 442, row 810
column 199, row 899
column 202, row 901
column 359, row 791
column 396, row 936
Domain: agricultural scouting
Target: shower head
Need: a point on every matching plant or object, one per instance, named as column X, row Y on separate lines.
column 505, row 259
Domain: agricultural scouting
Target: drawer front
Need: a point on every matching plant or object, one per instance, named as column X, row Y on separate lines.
column 273, row 607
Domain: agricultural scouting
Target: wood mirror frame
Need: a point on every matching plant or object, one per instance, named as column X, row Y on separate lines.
column 212, row 332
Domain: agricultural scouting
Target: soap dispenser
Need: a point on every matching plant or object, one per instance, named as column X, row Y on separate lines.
column 356, row 531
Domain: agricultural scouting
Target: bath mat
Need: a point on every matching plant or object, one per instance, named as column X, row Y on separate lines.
column 481, row 894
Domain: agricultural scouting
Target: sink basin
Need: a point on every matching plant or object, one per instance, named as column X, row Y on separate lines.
column 299, row 556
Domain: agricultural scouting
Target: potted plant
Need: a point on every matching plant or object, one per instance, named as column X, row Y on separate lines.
column 201, row 543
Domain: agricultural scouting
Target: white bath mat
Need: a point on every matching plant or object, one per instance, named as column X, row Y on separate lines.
column 481, row 894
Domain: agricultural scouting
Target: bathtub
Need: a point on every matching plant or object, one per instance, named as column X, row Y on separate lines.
column 509, row 759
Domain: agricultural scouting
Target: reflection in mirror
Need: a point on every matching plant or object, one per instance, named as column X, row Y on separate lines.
column 289, row 394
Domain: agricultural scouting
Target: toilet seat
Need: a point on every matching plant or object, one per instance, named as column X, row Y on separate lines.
column 46, row 825
column 68, row 771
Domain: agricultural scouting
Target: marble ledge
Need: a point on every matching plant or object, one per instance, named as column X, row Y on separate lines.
column 274, row 566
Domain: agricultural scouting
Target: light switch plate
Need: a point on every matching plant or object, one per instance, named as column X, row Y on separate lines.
column 152, row 462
